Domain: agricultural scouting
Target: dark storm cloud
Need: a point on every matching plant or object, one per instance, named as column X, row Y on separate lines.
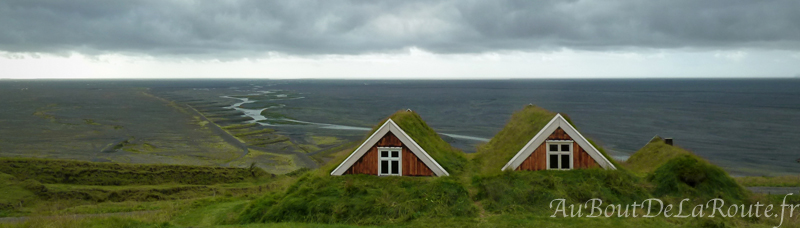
column 243, row 28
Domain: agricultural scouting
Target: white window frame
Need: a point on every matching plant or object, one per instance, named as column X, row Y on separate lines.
column 399, row 160
column 559, row 153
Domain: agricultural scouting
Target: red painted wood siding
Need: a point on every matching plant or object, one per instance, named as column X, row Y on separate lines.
column 538, row 159
column 368, row 164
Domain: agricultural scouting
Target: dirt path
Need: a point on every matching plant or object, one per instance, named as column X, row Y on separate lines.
column 775, row 190
column 75, row 216
column 302, row 158
column 230, row 139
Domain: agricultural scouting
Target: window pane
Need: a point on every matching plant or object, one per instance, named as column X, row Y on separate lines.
column 553, row 147
column 564, row 147
column 553, row 161
column 384, row 167
column 565, row 161
column 384, row 154
column 395, row 167
column 395, row 154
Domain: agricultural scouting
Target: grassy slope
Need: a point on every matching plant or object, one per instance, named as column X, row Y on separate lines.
column 532, row 191
column 13, row 194
column 82, row 187
column 779, row 181
column 91, row 173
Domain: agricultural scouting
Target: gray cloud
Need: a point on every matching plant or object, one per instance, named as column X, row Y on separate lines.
column 250, row 27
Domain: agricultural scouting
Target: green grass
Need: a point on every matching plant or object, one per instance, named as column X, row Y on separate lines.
column 240, row 126
column 51, row 171
column 690, row 176
column 523, row 125
column 653, row 155
column 13, row 194
column 532, row 191
column 256, row 132
column 209, row 212
column 779, row 181
column 363, row 200
column 675, row 172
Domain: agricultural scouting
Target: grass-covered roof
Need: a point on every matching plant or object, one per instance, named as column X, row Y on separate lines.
column 450, row 158
column 523, row 125
column 677, row 172
column 654, row 154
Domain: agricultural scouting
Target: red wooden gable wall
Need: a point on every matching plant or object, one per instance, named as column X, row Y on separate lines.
column 368, row 164
column 538, row 159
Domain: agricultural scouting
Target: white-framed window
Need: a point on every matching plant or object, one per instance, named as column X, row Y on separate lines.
column 390, row 161
column 559, row 154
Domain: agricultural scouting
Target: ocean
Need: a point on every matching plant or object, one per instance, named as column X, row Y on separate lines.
column 747, row 126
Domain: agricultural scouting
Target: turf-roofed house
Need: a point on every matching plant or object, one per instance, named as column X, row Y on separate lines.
column 390, row 151
column 558, row 146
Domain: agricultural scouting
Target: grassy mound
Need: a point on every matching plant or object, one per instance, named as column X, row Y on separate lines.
column 676, row 172
column 532, row 191
column 92, row 173
column 653, row 155
column 362, row 199
column 690, row 176
column 13, row 194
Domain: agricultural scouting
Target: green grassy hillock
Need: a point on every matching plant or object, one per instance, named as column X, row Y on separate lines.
column 363, row 200
column 532, row 191
column 676, row 172
column 687, row 175
column 13, row 194
column 49, row 171
column 653, row 155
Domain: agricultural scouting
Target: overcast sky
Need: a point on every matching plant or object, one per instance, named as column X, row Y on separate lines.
column 398, row 39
